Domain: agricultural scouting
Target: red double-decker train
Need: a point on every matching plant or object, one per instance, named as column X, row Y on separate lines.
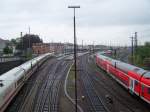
column 135, row 79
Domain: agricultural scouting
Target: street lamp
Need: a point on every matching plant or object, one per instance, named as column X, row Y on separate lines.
column 75, row 56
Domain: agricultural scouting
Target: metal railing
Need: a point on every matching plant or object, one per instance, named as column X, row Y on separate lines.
column 7, row 59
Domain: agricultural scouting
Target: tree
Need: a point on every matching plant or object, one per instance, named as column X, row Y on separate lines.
column 27, row 41
column 7, row 50
column 142, row 55
column 147, row 44
column 13, row 41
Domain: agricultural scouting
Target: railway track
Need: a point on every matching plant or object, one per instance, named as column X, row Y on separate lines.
column 96, row 104
column 18, row 102
column 45, row 92
column 42, row 93
column 48, row 96
column 129, row 102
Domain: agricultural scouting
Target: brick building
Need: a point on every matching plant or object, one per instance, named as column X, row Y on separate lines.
column 57, row 47
column 41, row 48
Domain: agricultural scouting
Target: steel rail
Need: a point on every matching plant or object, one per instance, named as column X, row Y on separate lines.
column 96, row 102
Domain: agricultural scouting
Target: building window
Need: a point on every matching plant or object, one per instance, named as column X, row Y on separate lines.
column 143, row 90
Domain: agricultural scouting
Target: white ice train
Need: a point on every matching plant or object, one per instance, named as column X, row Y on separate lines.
column 12, row 81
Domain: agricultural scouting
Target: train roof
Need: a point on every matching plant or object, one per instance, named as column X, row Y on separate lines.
column 123, row 66
column 27, row 65
column 10, row 77
column 147, row 75
column 128, row 67
column 106, row 58
column 13, row 74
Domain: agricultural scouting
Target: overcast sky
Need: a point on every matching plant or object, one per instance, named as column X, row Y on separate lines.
column 99, row 21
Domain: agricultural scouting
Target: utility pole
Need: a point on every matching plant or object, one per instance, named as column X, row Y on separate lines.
column 132, row 49
column 21, row 40
column 75, row 58
column 29, row 29
column 82, row 45
column 93, row 48
column 115, row 53
column 29, row 38
column 136, row 41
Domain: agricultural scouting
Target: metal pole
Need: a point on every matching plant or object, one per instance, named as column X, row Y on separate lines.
column 22, row 41
column 75, row 58
column 75, row 62
column 135, row 39
column 82, row 46
column 29, row 39
column 115, row 53
column 29, row 29
column 93, row 48
column 136, row 42
column 132, row 49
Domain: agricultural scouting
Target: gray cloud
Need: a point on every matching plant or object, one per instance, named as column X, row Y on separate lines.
column 117, row 12
column 53, row 20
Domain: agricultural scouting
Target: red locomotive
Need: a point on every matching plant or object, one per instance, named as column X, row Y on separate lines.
column 135, row 79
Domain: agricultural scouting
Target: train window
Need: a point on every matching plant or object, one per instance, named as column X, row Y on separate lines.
column 143, row 89
column 1, row 84
column 148, row 91
column 136, row 82
column 20, row 80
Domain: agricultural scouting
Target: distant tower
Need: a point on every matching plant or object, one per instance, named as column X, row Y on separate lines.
column 29, row 39
column 135, row 41
column 82, row 44
column 29, row 30
column 21, row 37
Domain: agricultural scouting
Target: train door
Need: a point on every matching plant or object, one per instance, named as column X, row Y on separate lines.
column 131, row 85
column 107, row 68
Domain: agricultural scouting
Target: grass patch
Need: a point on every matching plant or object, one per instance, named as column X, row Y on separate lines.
column 71, row 83
column 66, row 105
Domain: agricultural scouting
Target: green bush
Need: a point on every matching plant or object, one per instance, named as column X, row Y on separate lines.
column 7, row 50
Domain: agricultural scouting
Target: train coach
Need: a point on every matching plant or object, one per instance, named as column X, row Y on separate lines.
column 12, row 81
column 135, row 79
